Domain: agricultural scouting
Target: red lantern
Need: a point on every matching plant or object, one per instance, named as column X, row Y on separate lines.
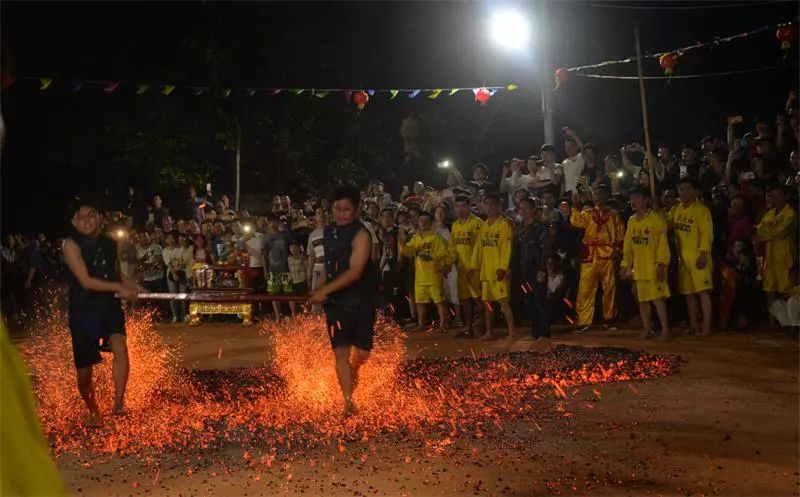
column 561, row 76
column 668, row 62
column 360, row 98
column 482, row 96
column 785, row 35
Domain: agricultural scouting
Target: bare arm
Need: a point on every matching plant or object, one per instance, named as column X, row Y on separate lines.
column 72, row 256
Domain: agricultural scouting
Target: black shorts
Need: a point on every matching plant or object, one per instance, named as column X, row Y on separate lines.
column 351, row 324
column 300, row 288
column 87, row 329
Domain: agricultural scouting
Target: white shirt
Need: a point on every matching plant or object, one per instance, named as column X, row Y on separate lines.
column 152, row 258
column 572, row 169
column 553, row 282
column 173, row 258
column 516, row 181
column 316, row 247
column 255, row 248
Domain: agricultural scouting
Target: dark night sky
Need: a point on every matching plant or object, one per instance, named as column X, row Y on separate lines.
column 386, row 45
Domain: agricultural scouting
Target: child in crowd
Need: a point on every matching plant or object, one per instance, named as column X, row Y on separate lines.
column 297, row 272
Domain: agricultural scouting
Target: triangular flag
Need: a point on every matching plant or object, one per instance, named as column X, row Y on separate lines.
column 274, row 91
column 475, row 91
column 45, row 83
column 434, row 94
column 111, row 86
column 511, row 87
column 321, row 94
column 298, row 91
column 226, row 92
column 167, row 89
column 347, row 95
column 142, row 88
column 371, row 92
column 413, row 93
column 393, row 94
column 198, row 90
column 492, row 91
column 454, row 91
column 250, row 92
column 77, row 85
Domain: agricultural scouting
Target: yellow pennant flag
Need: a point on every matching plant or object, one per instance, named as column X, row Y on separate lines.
column 321, row 94
column 45, row 83
column 167, row 89
column 142, row 88
column 298, row 91
column 393, row 94
column 511, row 87
column 226, row 92
column 453, row 91
column 434, row 94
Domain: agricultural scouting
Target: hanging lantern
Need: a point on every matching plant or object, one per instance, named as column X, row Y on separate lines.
column 360, row 98
column 785, row 35
column 561, row 76
column 668, row 61
column 482, row 96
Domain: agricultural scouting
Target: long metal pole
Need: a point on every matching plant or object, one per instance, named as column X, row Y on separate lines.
column 238, row 161
column 545, row 81
column 650, row 165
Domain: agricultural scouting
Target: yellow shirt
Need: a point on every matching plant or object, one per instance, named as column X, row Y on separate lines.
column 693, row 230
column 645, row 245
column 495, row 250
column 465, row 239
column 430, row 252
column 779, row 231
column 604, row 232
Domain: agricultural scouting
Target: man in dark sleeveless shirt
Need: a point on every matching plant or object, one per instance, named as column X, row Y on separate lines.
column 349, row 291
column 95, row 313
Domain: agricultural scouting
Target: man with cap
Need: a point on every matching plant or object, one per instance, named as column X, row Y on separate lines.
column 645, row 256
column 601, row 248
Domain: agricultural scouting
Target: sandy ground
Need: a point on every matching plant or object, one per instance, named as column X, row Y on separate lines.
column 726, row 424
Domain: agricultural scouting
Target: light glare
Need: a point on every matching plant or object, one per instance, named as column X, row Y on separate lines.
column 510, row 29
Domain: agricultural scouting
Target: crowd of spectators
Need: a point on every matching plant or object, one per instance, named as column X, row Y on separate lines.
column 738, row 179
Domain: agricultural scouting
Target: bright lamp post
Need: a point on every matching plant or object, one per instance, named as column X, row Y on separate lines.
column 511, row 29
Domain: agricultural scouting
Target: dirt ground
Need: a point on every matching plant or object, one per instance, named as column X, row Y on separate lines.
column 725, row 424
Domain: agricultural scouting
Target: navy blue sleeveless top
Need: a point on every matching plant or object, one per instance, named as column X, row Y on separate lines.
column 338, row 243
column 100, row 256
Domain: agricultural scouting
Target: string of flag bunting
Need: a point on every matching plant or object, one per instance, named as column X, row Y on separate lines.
column 668, row 60
column 358, row 97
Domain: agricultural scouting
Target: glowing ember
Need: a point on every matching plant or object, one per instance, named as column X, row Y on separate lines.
column 297, row 402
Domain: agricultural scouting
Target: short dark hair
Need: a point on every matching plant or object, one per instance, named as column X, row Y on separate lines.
column 547, row 148
column 387, row 209
column 271, row 216
column 492, row 196
column 644, row 192
column 691, row 181
column 462, row 198
column 602, row 187
column 590, row 146
column 481, row 165
column 425, row 214
column 528, row 200
column 83, row 200
column 413, row 207
column 348, row 192
column 779, row 187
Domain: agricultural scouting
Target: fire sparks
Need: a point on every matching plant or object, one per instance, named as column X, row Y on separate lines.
column 297, row 402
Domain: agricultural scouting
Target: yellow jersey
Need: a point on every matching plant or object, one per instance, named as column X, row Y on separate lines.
column 496, row 240
column 430, row 252
column 779, row 231
column 604, row 232
column 465, row 239
column 693, row 230
column 645, row 245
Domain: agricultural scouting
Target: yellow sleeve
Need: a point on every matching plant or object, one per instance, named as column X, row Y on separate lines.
column 627, row 248
column 662, row 246
column 781, row 228
column 410, row 249
column 577, row 219
column 477, row 251
column 440, row 255
column 705, row 235
column 670, row 218
column 506, row 244
column 452, row 250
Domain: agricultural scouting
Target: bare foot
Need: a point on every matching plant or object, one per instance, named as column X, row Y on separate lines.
column 644, row 334
column 349, row 410
column 119, row 411
column 487, row 336
column 93, row 421
column 663, row 337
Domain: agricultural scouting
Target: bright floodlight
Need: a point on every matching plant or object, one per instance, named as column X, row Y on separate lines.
column 510, row 28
